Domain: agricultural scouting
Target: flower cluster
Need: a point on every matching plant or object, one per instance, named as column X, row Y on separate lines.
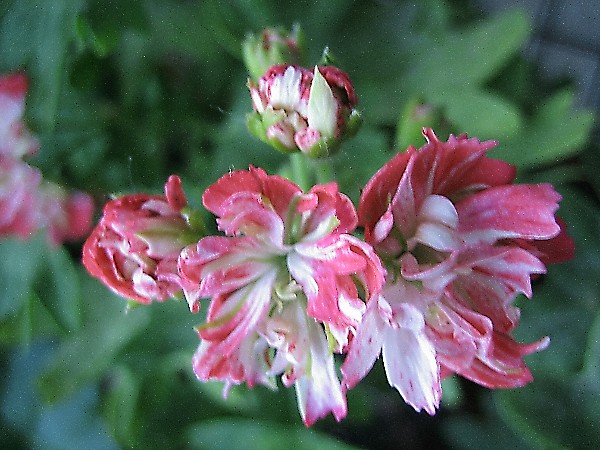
column 27, row 202
column 446, row 243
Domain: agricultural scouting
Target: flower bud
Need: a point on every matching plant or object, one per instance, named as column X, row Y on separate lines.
column 272, row 46
column 134, row 248
column 300, row 110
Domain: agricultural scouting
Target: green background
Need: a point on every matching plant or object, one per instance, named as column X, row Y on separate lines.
column 123, row 94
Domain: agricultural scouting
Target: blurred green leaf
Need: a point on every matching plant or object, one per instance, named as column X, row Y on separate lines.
column 19, row 262
column 104, row 22
column 57, row 287
column 468, row 56
column 86, row 354
column 36, row 34
column 555, row 133
column 224, row 434
column 479, row 114
column 120, row 404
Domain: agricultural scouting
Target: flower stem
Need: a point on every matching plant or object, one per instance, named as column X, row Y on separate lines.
column 324, row 170
column 300, row 174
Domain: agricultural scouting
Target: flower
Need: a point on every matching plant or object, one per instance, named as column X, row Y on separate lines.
column 135, row 246
column 460, row 242
column 67, row 217
column 285, row 285
column 15, row 139
column 19, row 199
column 300, row 110
column 27, row 202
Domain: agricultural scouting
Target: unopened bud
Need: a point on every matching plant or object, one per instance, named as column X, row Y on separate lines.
column 296, row 109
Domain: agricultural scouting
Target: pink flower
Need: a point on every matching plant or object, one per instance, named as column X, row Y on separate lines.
column 296, row 109
column 15, row 139
column 27, row 204
column 67, row 217
column 284, row 284
column 135, row 246
column 19, row 199
column 460, row 242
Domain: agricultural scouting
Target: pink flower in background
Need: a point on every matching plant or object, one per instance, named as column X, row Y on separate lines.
column 284, row 286
column 135, row 246
column 67, row 217
column 460, row 242
column 15, row 139
column 296, row 109
column 19, row 200
column 27, row 203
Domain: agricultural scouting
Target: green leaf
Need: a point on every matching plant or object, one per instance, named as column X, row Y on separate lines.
column 555, row 133
column 36, row 33
column 468, row 56
column 226, row 433
column 120, row 404
column 19, row 262
column 87, row 353
column 478, row 113
column 57, row 287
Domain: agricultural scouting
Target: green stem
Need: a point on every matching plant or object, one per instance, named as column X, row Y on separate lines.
column 300, row 174
column 324, row 170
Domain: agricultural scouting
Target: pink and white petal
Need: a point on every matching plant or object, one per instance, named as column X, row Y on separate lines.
column 373, row 274
column 493, row 282
column 504, row 212
column 305, row 139
column 462, row 167
column 218, row 193
column 319, row 391
column 284, row 91
column 246, row 213
column 381, row 230
column 379, row 191
column 404, row 205
column 438, row 209
column 435, row 277
column 560, row 248
column 319, row 284
column 174, row 193
column 512, row 266
column 241, row 314
column 411, row 367
column 504, row 366
column 458, row 334
column 282, row 132
column 365, row 348
column 436, row 236
column 333, row 251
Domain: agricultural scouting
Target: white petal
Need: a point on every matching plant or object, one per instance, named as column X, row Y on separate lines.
column 322, row 107
column 411, row 367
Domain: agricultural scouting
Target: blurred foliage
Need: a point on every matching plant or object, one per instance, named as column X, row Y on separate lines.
column 125, row 93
